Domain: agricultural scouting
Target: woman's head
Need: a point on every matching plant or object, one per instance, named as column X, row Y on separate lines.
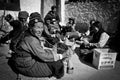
column 54, row 8
column 37, row 29
column 96, row 26
column 23, row 16
column 9, row 18
column 92, row 22
column 71, row 20
column 36, row 24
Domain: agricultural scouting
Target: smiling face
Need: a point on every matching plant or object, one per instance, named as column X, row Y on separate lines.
column 38, row 28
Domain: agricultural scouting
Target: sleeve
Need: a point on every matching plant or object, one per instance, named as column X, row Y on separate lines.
column 36, row 49
column 46, row 30
column 103, row 39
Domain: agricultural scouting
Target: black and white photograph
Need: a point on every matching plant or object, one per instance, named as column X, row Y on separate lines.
column 59, row 40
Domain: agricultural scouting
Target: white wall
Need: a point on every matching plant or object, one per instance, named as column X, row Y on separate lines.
column 30, row 5
column 13, row 13
column 47, row 5
column 63, row 12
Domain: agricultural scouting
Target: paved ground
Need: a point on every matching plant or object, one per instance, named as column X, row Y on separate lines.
column 5, row 71
column 82, row 71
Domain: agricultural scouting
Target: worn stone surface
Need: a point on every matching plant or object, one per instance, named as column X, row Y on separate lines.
column 107, row 13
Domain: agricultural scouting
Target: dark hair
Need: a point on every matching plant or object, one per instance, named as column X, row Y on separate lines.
column 97, row 24
column 72, row 19
column 53, row 7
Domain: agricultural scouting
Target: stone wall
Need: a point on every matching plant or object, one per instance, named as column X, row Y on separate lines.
column 107, row 13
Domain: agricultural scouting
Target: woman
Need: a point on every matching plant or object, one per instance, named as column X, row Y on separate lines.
column 99, row 37
column 51, row 32
column 52, row 14
column 31, row 58
column 98, row 40
column 70, row 27
column 71, row 24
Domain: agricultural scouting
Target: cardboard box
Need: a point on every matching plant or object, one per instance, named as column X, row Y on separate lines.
column 104, row 58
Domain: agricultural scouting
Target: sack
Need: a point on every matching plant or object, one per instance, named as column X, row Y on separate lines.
column 15, row 42
column 61, row 48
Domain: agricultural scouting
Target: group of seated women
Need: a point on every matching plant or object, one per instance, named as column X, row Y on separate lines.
column 40, row 53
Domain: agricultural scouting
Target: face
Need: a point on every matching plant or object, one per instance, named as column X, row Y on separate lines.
column 23, row 19
column 38, row 28
column 94, row 29
column 71, row 21
column 54, row 10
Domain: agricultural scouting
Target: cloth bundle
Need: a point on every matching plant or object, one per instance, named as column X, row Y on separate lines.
column 61, row 48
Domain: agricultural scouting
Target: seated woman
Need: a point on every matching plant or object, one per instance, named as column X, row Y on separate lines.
column 98, row 40
column 53, row 31
column 70, row 26
column 30, row 57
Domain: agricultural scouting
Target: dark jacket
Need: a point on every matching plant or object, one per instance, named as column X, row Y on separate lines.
column 51, row 16
column 15, row 34
column 31, row 59
column 96, row 36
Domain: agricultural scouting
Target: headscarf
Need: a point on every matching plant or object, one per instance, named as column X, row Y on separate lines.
column 23, row 14
column 34, row 17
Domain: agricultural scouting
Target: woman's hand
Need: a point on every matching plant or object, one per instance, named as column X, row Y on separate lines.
column 68, row 53
column 85, row 41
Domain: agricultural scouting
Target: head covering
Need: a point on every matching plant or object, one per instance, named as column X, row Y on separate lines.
column 97, row 24
column 23, row 14
column 34, row 17
column 53, row 7
column 8, row 17
column 72, row 19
